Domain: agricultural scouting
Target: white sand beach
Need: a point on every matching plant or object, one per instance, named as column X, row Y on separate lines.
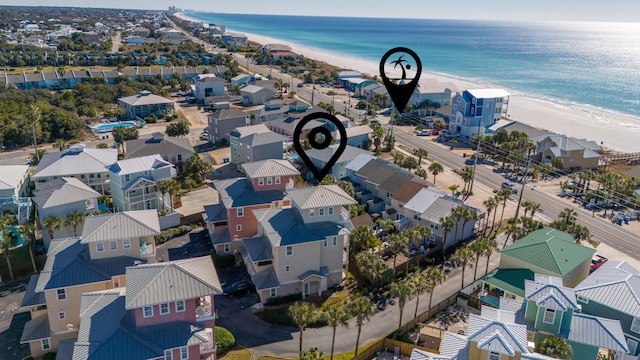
column 615, row 131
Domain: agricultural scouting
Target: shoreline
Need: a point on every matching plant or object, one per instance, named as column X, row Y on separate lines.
column 615, row 131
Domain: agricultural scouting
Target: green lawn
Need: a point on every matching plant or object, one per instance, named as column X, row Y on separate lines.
column 237, row 353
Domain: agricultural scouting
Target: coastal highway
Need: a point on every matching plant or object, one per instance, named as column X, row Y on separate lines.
column 602, row 230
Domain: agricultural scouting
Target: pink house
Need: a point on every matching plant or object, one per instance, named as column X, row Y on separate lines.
column 165, row 312
column 232, row 219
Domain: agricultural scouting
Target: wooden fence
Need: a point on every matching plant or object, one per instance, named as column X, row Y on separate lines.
column 386, row 344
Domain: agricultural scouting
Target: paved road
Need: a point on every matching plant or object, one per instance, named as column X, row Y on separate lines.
column 12, row 321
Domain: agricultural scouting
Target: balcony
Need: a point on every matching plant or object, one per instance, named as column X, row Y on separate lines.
column 209, row 346
column 147, row 250
column 204, row 311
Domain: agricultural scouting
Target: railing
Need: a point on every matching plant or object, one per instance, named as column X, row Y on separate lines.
column 147, row 250
column 209, row 346
column 204, row 312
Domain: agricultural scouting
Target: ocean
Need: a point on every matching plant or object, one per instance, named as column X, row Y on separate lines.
column 582, row 63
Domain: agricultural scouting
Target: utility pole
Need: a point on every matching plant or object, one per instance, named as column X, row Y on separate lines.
column 313, row 91
column 526, row 171
column 475, row 161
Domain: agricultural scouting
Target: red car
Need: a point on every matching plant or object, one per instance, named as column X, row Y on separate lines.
column 597, row 261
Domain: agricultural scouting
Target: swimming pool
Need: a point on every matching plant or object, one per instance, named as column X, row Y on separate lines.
column 102, row 128
column 14, row 230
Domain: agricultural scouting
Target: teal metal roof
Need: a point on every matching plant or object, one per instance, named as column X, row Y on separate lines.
column 509, row 280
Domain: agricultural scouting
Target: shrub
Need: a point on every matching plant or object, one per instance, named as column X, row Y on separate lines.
column 168, row 234
column 402, row 336
column 49, row 356
column 224, row 261
column 285, row 299
column 224, row 340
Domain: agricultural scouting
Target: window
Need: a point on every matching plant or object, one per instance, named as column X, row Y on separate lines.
column 164, row 308
column 46, row 345
column 321, row 212
column 582, row 299
column 334, row 241
column 289, row 250
column 494, row 356
column 147, row 311
column 273, row 292
column 287, row 268
column 180, row 306
column 62, row 315
column 312, row 212
column 277, row 179
column 113, row 245
column 184, row 353
column 269, row 180
column 126, row 243
column 62, row 294
column 91, row 176
column 260, row 181
column 99, row 246
column 227, row 247
column 632, row 345
column 127, row 177
column 325, row 243
column 179, row 157
column 549, row 315
column 82, row 176
column 116, row 282
column 635, row 325
column 239, row 227
column 240, row 212
column 168, row 355
column 330, row 210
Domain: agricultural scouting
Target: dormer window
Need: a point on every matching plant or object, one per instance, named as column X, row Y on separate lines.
column 549, row 315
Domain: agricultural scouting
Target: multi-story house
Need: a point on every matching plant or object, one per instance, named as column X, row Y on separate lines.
column 61, row 197
column 573, row 153
column 222, row 122
column 87, row 165
column 255, row 143
column 614, row 291
column 208, row 85
column 379, row 180
column 473, row 111
column 302, row 248
column 175, row 150
column 134, row 183
column 433, row 91
column 321, row 157
column 15, row 185
column 232, row 219
column 145, row 104
column 165, row 312
column 95, row 261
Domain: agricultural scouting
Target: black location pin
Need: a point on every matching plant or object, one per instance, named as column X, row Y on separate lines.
column 400, row 93
column 324, row 143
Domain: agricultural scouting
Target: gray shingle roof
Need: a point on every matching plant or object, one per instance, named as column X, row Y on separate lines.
column 243, row 131
column 262, row 139
column 170, row 281
column 598, row 332
column 64, row 190
column 239, row 192
column 224, row 114
column 386, row 176
column 320, row 196
column 158, row 144
column 122, row 225
column 36, row 329
column 442, row 207
column 285, row 227
column 145, row 98
column 270, row 167
column 614, row 286
column 140, row 164
column 324, row 155
column 72, row 162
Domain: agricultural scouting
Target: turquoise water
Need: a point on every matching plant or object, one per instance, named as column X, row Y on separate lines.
column 14, row 230
column 111, row 126
column 595, row 64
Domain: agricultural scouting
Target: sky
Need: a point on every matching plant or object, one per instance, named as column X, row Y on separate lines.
column 540, row 10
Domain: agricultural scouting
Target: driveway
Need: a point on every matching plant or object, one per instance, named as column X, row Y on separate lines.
column 12, row 321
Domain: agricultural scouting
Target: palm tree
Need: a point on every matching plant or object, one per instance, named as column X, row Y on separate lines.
column 397, row 244
column 335, row 315
column 28, row 232
column 52, row 223
column 446, row 223
column 60, row 144
column 478, row 249
column 403, row 291
column 555, row 347
column 435, row 168
column 9, row 241
column 503, row 195
column 568, row 215
column 362, row 237
column 453, row 188
column 74, row 219
column 362, row 309
column 420, row 153
column 491, row 246
column 489, row 204
column 312, row 354
column 303, row 314
column 466, row 175
column 463, row 257
column 32, row 117
column 457, row 213
column 163, row 186
column 420, row 286
column 173, row 190
column 433, row 276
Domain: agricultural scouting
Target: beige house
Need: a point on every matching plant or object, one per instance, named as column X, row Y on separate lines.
column 301, row 249
column 175, row 150
column 574, row 153
column 95, row 261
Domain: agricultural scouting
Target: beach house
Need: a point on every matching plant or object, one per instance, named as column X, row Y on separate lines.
column 145, row 104
column 253, row 95
column 303, row 248
column 175, row 150
column 222, row 122
column 208, row 85
column 15, row 184
column 86, row 164
column 321, row 157
column 574, row 154
column 433, row 91
column 95, row 261
column 255, row 143
column 472, row 111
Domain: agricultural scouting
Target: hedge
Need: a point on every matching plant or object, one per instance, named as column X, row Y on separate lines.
column 224, row 340
column 285, row 299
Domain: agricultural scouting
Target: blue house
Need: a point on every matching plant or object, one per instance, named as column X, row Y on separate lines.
column 473, row 111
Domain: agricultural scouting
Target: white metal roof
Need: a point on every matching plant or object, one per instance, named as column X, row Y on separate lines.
column 136, row 165
column 319, row 196
column 122, row 225
column 488, row 93
column 270, row 167
column 11, row 175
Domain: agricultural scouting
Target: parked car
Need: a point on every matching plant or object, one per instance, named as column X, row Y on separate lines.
column 237, row 288
column 300, row 85
column 423, row 132
column 597, row 261
column 509, row 185
column 448, row 134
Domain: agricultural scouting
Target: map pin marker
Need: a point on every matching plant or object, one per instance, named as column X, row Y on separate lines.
column 323, row 143
column 400, row 93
